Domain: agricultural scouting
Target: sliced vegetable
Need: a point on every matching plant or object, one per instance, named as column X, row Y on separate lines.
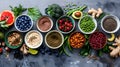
column 77, row 14
column 33, row 51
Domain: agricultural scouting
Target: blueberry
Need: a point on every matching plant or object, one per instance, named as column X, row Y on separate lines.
column 50, row 53
column 43, row 52
column 18, row 55
column 57, row 54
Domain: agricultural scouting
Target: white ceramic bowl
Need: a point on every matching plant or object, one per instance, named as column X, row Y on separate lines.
column 50, row 21
column 95, row 22
column 57, row 46
column 27, row 29
column 115, row 18
column 36, row 45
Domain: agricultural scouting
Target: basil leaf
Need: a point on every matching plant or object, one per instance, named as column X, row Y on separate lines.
column 34, row 13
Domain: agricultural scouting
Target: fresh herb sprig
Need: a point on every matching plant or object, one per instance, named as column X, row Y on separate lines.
column 18, row 10
column 34, row 13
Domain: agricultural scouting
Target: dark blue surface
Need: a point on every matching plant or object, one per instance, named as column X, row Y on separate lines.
column 110, row 6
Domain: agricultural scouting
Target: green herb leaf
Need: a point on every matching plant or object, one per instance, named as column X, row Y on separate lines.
column 18, row 10
column 34, row 13
column 100, row 52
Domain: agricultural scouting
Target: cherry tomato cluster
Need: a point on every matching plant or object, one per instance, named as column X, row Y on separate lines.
column 65, row 25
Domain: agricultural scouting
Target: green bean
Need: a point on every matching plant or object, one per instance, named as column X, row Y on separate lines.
column 69, row 47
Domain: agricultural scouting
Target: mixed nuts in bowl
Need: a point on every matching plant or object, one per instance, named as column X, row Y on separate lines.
column 13, row 39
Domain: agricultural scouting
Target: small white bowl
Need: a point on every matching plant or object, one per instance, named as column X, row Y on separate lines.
column 27, row 29
column 115, row 18
column 50, row 21
column 95, row 22
column 38, row 44
column 57, row 46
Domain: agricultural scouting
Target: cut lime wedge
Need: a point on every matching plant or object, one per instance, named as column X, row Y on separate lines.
column 33, row 51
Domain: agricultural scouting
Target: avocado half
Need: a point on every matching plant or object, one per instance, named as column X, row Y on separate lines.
column 75, row 16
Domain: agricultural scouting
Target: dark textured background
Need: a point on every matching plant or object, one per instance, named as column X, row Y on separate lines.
column 110, row 6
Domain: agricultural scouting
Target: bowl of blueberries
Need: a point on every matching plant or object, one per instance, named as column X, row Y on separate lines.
column 23, row 23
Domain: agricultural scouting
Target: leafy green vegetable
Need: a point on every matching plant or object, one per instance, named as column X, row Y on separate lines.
column 34, row 13
column 65, row 51
column 104, row 50
column 85, row 50
column 18, row 10
column 54, row 11
column 63, row 48
column 69, row 47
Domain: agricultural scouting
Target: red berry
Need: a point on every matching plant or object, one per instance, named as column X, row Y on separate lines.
column 1, row 50
column 68, row 28
column 60, row 27
column 66, row 23
column 7, row 49
column 60, row 21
